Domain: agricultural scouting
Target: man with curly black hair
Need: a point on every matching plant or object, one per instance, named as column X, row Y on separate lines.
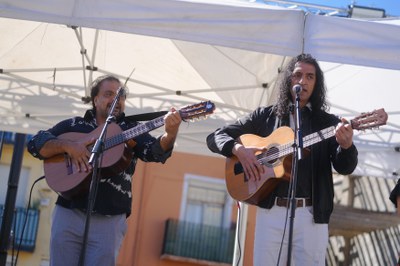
column 314, row 187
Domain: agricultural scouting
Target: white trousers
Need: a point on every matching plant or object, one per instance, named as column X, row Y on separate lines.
column 103, row 243
column 309, row 240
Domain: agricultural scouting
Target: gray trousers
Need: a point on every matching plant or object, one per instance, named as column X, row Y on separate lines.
column 103, row 242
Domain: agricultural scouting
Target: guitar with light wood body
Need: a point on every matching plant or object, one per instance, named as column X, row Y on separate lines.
column 276, row 157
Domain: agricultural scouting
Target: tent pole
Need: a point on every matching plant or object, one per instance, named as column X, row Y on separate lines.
column 240, row 235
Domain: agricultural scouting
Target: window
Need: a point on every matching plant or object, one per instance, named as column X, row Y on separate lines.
column 22, row 185
column 206, row 201
column 204, row 230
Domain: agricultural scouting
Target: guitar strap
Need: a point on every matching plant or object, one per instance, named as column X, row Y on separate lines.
column 145, row 116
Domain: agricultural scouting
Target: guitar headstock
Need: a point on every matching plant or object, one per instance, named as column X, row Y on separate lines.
column 198, row 110
column 369, row 120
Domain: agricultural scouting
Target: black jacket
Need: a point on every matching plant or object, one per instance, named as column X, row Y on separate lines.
column 395, row 193
column 325, row 154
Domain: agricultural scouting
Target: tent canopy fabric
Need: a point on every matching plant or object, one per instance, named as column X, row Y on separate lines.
column 175, row 53
column 239, row 24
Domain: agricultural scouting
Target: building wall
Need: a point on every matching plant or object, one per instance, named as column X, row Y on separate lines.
column 157, row 196
column 42, row 197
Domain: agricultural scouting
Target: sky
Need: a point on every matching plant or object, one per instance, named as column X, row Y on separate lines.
column 392, row 7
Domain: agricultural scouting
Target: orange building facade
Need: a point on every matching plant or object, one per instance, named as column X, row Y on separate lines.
column 188, row 190
column 183, row 215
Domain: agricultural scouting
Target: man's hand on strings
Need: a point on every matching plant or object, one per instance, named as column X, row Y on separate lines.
column 79, row 154
column 251, row 166
column 344, row 134
column 172, row 121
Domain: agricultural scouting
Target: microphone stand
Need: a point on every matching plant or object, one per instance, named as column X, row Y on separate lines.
column 297, row 155
column 94, row 160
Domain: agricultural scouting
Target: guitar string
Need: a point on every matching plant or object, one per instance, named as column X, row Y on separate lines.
column 153, row 124
column 133, row 132
column 271, row 154
column 366, row 120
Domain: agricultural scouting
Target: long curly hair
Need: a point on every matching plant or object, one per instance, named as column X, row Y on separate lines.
column 318, row 97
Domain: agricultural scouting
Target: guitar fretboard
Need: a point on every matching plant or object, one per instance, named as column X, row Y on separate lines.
column 134, row 132
column 274, row 153
column 194, row 111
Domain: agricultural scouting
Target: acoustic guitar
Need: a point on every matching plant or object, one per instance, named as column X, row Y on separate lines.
column 276, row 157
column 63, row 177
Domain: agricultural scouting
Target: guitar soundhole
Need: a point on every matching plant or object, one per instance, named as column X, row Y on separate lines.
column 270, row 157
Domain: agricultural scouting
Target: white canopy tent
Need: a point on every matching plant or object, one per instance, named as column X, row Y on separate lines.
column 175, row 53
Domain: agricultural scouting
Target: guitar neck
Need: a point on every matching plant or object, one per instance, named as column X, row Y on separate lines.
column 134, row 132
column 312, row 139
column 189, row 112
column 318, row 136
column 288, row 148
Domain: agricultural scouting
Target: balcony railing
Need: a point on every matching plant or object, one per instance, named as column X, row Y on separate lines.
column 28, row 239
column 198, row 241
column 9, row 137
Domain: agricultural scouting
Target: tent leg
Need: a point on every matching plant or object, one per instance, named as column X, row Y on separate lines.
column 240, row 235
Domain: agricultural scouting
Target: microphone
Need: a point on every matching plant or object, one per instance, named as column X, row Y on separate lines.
column 297, row 88
column 121, row 92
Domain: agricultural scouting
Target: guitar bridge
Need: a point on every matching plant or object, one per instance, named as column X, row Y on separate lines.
column 238, row 168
